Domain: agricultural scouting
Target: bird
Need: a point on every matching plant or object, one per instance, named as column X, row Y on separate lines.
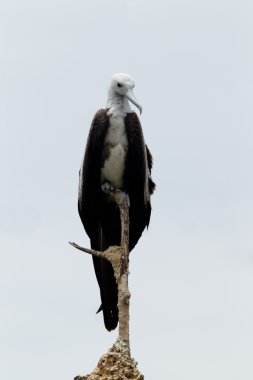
column 116, row 157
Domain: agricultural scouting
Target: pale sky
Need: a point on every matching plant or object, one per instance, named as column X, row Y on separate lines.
column 192, row 273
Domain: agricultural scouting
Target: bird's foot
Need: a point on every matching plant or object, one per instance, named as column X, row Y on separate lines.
column 119, row 195
column 107, row 187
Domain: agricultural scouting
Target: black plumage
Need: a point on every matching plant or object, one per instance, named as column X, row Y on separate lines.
column 99, row 215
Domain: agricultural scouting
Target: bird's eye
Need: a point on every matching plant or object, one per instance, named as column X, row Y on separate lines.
column 119, row 84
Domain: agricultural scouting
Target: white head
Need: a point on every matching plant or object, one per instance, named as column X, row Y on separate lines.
column 120, row 91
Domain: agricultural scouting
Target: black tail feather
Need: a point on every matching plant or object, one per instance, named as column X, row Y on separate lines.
column 107, row 284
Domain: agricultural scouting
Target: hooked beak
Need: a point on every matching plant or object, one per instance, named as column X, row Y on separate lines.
column 130, row 96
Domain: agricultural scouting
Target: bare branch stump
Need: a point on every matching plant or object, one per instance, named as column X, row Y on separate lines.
column 117, row 363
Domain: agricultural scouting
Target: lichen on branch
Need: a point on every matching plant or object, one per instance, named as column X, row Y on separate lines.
column 116, row 364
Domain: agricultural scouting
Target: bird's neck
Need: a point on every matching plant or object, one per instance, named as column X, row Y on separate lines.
column 117, row 105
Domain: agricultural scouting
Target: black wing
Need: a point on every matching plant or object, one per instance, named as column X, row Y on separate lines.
column 89, row 176
column 90, row 207
column 137, row 179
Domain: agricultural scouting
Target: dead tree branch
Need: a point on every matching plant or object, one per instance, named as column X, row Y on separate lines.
column 122, row 362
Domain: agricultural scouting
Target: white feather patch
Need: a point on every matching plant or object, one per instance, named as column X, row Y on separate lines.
column 114, row 165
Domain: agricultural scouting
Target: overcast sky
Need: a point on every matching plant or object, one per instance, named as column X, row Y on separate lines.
column 192, row 272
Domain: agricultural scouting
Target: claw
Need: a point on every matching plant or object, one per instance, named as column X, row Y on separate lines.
column 121, row 195
column 107, row 187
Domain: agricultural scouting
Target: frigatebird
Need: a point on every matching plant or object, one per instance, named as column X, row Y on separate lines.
column 116, row 157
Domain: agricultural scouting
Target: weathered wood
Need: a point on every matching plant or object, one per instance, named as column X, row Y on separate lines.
column 119, row 258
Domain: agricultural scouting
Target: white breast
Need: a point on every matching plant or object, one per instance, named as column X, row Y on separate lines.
column 116, row 142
